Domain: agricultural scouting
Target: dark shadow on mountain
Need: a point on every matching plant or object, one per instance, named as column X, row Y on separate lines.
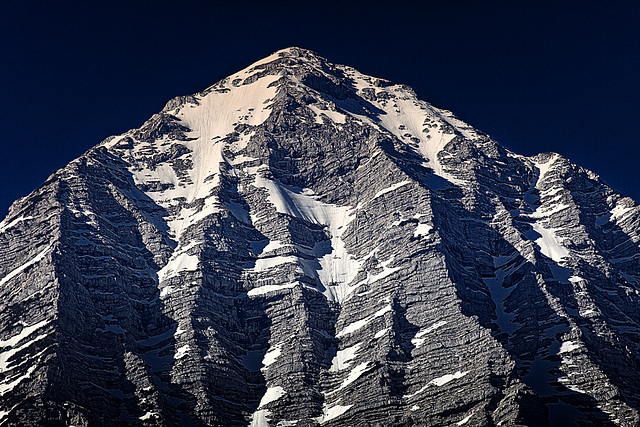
column 615, row 291
column 457, row 222
column 399, row 354
column 341, row 91
column 109, row 309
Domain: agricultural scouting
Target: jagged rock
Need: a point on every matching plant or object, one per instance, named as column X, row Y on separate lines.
column 302, row 244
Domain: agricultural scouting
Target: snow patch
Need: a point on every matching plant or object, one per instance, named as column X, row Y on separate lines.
column 406, row 117
column 422, row 230
column 272, row 246
column 333, row 412
column 24, row 333
column 352, row 327
column 381, row 333
column 260, row 418
column 271, row 395
column 372, row 278
column 333, row 115
column 271, row 356
column 568, row 347
column 8, row 386
column 178, row 264
column 148, row 415
column 549, row 243
column 620, row 212
column 545, row 238
column 265, row 264
column 342, row 359
column 423, row 388
column 547, row 212
column 215, row 116
column 440, row 381
column 354, row 374
column 181, row 352
column 166, row 291
column 383, row 311
column 8, row 349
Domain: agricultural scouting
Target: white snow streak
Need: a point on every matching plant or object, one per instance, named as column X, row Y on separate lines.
column 181, row 352
column 465, row 420
column 5, row 355
column 422, row 229
column 620, row 212
column 440, row 381
column 262, row 290
column 25, row 332
column 406, row 117
column 352, row 327
column 24, row 266
column 4, row 227
column 332, row 115
column 390, row 189
column 418, row 339
column 148, row 415
column 265, row 264
column 354, row 374
column 549, row 243
column 381, row 333
column 260, row 417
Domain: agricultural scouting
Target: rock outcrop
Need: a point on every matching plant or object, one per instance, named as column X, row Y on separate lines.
column 301, row 244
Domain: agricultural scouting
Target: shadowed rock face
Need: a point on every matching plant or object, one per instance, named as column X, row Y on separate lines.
column 301, row 244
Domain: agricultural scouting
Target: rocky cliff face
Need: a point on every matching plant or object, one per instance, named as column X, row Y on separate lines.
column 300, row 245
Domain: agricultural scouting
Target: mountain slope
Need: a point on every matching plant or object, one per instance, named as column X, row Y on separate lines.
column 302, row 244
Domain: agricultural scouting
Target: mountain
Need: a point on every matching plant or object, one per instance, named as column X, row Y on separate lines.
column 301, row 244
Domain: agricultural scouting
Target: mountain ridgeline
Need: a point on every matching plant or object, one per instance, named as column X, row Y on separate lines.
column 301, row 244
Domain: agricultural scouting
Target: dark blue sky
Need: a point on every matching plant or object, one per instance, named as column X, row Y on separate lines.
column 536, row 76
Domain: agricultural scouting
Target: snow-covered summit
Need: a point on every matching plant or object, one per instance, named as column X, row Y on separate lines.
column 198, row 130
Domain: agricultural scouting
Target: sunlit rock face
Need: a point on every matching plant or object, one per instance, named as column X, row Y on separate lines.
column 301, row 244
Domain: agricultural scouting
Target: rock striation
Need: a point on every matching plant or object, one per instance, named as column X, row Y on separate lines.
column 301, row 244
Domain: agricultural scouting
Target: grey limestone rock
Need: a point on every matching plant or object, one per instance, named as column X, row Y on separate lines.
column 301, row 245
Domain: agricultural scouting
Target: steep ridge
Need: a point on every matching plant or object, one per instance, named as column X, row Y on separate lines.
column 302, row 244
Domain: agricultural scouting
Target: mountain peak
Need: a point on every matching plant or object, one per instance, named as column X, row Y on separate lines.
column 297, row 52
column 287, row 57
column 303, row 244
